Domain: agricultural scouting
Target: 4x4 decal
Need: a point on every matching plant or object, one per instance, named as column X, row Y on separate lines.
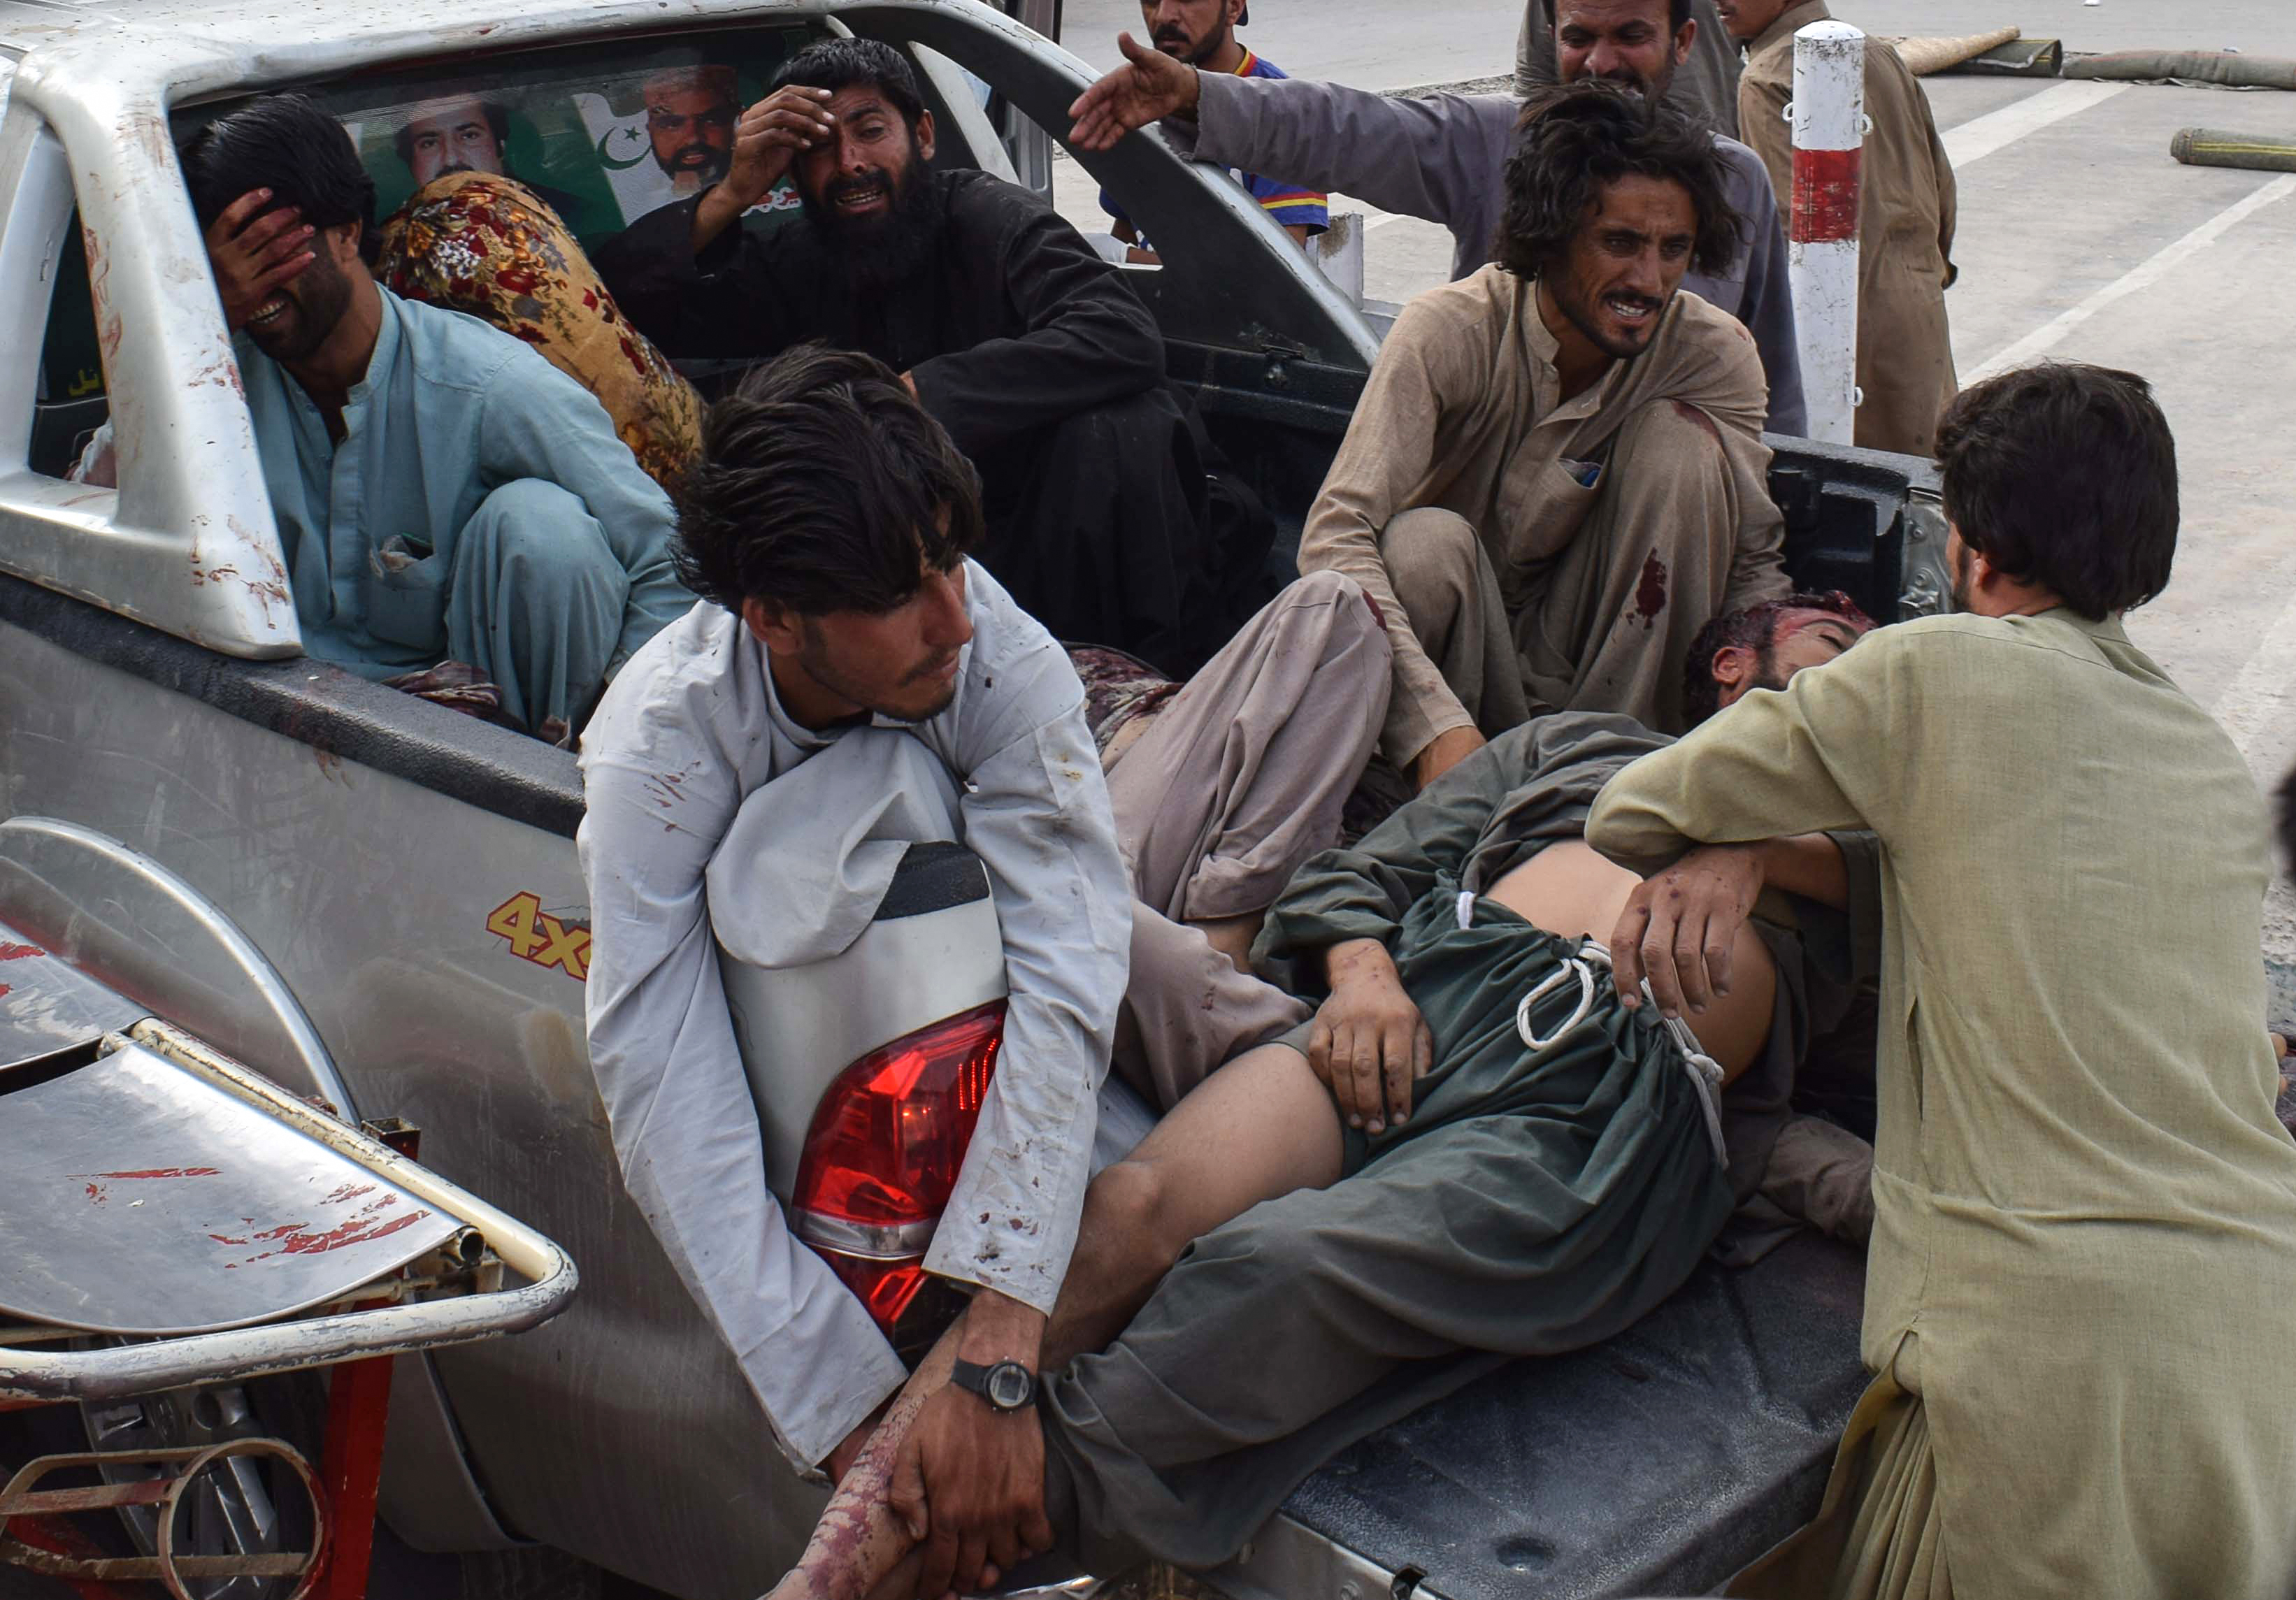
column 535, row 935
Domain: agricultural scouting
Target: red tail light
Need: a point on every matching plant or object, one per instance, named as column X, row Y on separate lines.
column 882, row 1156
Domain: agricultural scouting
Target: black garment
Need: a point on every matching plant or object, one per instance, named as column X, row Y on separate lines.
column 1104, row 520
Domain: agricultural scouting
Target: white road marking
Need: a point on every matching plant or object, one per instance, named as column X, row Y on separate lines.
column 1981, row 136
column 2250, row 706
column 2143, row 275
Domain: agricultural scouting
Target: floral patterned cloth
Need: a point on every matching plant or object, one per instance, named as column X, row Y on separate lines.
column 489, row 246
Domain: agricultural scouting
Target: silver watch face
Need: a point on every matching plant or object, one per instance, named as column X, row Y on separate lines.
column 1010, row 1385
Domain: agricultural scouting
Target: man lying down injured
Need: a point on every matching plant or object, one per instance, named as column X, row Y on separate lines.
column 1474, row 1151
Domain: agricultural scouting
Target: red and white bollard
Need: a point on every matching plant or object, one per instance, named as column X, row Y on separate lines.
column 1828, row 114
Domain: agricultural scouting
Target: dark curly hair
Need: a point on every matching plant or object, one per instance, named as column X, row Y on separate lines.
column 2064, row 474
column 1574, row 141
column 1755, row 628
column 285, row 143
column 822, row 487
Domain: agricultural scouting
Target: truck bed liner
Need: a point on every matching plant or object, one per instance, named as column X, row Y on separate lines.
column 1657, row 1463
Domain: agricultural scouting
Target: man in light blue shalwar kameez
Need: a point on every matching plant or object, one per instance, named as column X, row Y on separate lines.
column 443, row 493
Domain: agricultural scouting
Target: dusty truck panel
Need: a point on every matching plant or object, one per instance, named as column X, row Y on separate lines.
column 621, row 1430
column 187, row 544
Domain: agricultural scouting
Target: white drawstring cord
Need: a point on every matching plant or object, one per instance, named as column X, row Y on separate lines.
column 1546, row 986
column 1705, row 1072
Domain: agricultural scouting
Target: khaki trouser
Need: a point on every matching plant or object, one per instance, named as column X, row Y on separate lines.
column 1238, row 778
column 1822, row 1174
column 1605, row 625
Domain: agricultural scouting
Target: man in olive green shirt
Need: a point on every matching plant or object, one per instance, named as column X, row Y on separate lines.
column 2082, row 1286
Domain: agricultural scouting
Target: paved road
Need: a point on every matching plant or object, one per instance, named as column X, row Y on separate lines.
column 1380, row 44
column 2079, row 238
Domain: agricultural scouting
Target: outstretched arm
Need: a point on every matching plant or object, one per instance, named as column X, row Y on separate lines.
column 1761, row 787
column 1438, row 158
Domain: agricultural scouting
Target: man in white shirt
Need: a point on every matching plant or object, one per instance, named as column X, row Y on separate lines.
column 851, row 677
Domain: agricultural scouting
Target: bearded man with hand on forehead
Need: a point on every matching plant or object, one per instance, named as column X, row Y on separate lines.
column 1043, row 365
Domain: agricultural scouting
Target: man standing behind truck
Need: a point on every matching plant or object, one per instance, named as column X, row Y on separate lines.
column 1904, row 219
column 2082, row 1285
column 1202, row 34
column 1705, row 82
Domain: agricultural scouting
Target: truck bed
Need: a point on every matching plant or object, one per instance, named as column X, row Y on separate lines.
column 1658, row 1463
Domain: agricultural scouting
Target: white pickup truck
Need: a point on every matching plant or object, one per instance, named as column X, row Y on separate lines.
column 374, row 899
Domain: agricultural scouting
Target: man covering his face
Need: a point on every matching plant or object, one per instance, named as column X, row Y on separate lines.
column 1019, row 340
column 445, row 495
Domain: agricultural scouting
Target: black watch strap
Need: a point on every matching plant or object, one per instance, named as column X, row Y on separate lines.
column 1006, row 1385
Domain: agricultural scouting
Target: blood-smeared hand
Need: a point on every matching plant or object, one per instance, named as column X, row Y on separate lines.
column 969, row 1482
column 970, row 1479
column 1678, row 928
column 1369, row 1043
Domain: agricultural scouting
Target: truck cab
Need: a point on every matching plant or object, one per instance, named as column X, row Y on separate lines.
column 408, row 876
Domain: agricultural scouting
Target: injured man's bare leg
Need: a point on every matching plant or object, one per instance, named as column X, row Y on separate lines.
column 1263, row 1126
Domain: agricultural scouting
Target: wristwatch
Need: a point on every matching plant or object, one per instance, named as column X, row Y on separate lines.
column 1006, row 1386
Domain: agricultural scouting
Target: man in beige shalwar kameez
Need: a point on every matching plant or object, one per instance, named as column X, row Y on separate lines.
column 2081, row 1293
column 1557, row 476
column 1904, row 219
